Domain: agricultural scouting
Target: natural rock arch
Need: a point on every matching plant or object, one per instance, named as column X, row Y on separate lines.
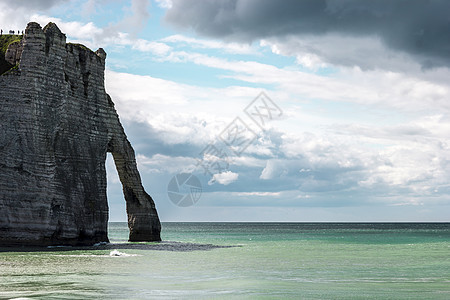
column 57, row 125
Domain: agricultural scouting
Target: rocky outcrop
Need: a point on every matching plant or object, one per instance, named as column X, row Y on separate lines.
column 57, row 124
column 10, row 51
column 13, row 52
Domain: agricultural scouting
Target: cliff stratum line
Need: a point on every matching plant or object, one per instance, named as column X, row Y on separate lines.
column 57, row 125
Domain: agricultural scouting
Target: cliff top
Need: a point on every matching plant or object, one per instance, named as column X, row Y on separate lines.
column 11, row 46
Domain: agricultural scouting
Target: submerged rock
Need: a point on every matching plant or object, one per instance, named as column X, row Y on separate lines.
column 57, row 124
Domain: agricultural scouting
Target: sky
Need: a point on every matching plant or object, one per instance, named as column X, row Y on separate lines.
column 292, row 111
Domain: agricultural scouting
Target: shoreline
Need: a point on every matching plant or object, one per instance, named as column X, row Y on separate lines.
column 156, row 246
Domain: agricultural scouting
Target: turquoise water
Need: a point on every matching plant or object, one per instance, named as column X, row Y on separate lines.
column 271, row 261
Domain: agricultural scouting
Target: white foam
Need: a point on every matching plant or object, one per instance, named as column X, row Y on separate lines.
column 117, row 253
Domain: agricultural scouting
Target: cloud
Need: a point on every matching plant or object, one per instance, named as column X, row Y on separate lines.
column 135, row 19
column 111, row 172
column 420, row 28
column 159, row 163
column 16, row 14
column 94, row 37
column 234, row 48
column 88, row 8
column 151, row 46
column 404, row 91
column 332, row 49
column 33, row 4
column 224, row 178
column 258, row 194
column 178, row 113
column 75, row 29
column 164, row 3
column 350, row 157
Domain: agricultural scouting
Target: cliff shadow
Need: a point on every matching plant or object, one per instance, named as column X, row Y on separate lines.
column 155, row 246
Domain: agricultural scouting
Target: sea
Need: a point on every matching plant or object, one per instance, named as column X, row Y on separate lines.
column 242, row 261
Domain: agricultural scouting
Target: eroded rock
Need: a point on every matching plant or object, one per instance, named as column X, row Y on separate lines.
column 57, row 124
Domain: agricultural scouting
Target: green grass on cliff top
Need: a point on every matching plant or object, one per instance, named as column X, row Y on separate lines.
column 81, row 46
column 6, row 40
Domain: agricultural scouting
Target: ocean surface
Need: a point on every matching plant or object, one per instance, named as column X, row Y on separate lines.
column 268, row 261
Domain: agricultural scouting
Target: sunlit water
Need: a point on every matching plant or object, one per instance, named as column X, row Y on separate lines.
column 272, row 261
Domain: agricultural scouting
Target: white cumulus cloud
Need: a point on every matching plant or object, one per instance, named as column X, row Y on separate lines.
column 224, row 178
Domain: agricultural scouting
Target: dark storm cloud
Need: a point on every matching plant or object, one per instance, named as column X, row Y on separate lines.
column 418, row 27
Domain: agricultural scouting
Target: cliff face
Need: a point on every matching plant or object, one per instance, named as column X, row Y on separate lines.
column 57, row 124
